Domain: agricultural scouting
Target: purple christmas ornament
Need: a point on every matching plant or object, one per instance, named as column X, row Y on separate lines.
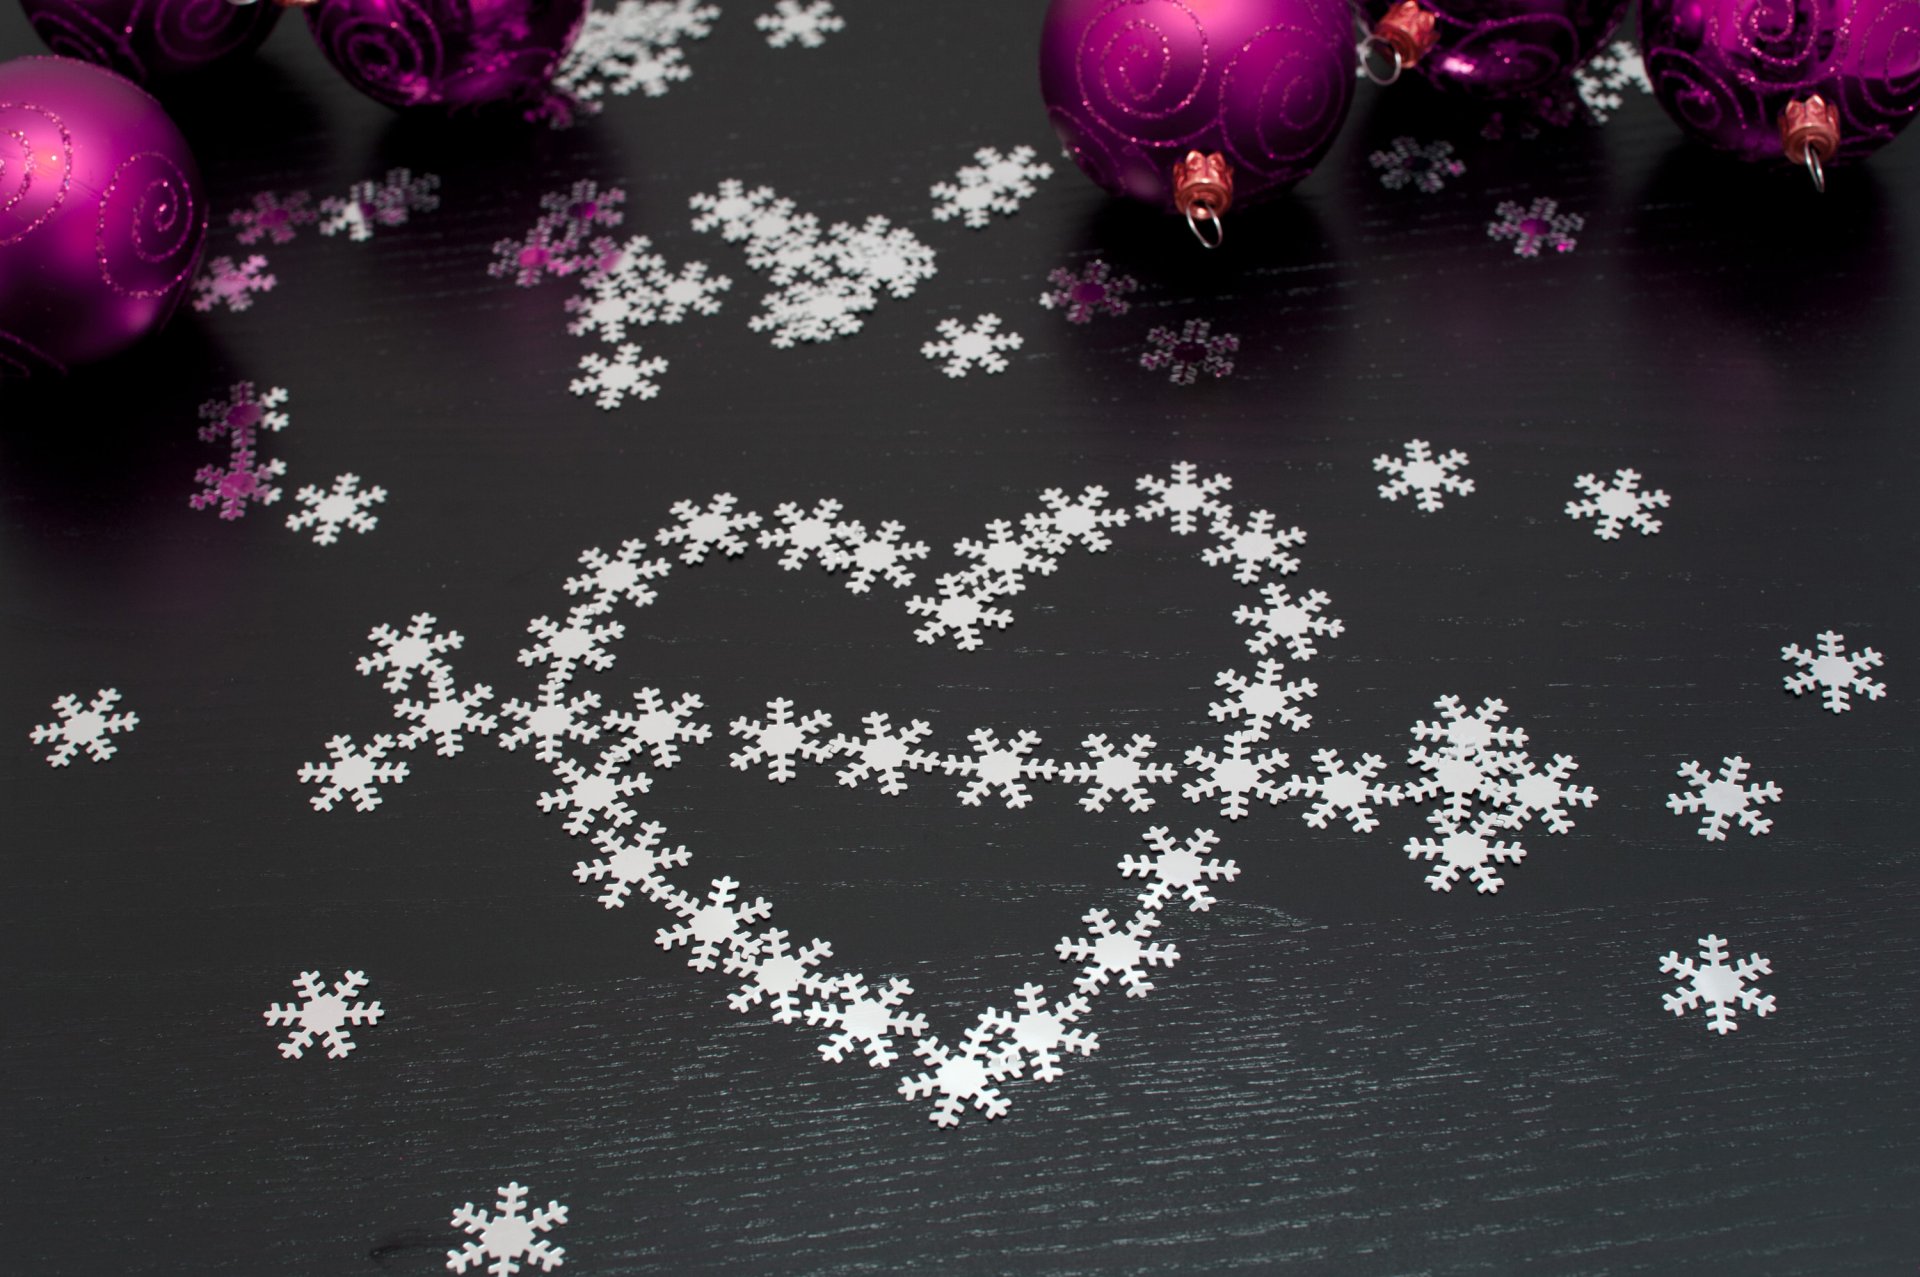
column 1770, row 79
column 102, row 215
column 148, row 40
column 1134, row 86
column 1489, row 48
column 448, row 53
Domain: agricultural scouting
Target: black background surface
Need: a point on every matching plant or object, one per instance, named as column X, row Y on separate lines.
column 1346, row 1073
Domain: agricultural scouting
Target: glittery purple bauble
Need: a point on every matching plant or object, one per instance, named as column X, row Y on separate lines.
column 1506, row 48
column 1725, row 69
column 102, row 215
column 1133, row 85
column 146, row 40
column 448, row 53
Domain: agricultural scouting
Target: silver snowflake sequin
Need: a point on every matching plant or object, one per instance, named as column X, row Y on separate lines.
column 225, row 282
column 1425, row 166
column 1095, row 289
column 1535, row 226
column 1193, row 350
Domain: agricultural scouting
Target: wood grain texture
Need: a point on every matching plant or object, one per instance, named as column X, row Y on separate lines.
column 1347, row 1073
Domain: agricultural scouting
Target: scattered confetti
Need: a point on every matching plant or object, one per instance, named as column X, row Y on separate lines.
column 225, row 282
column 964, row 347
column 1425, row 166
column 508, row 1236
column 345, row 505
column 1835, row 670
column 1094, row 290
column 1724, row 798
column 323, row 1015
column 1712, row 982
column 1427, row 477
column 91, row 727
column 1188, row 353
column 993, row 183
column 1538, row 225
column 1617, row 504
column 806, row 23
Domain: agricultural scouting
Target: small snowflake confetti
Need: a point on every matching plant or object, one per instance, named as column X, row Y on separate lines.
column 614, row 381
column 418, row 651
column 1603, row 80
column 1188, row 353
column 508, row 1236
column 388, row 201
column 964, row 347
column 272, row 217
column 1113, row 952
column 776, row 974
column 959, row 1076
column 1039, row 1033
column 344, row 506
column 1427, row 477
column 1082, row 518
column 1183, row 498
column 630, row 48
column 960, row 612
column 1535, row 226
column 1095, row 290
column 565, row 648
column 1425, row 166
column 243, row 480
column 598, row 794
column 1294, row 622
column 90, row 727
column 1835, row 670
column 1179, row 868
column 623, row 577
column 1235, row 774
column 323, row 1015
column 995, row 765
column 880, row 255
column 632, row 860
column 806, row 23
column 880, row 554
column 884, row 754
column 224, row 282
column 1612, row 505
column 658, row 729
column 993, row 183
column 714, row 526
column 707, row 927
column 779, row 738
column 446, row 716
column 1340, row 788
column 1117, row 773
column 1254, row 547
column 639, row 289
column 801, row 534
column 813, row 310
column 243, row 414
column 1724, row 798
column 1716, row 984
column 1465, row 847
column 549, row 724
column 864, row 1018
column 1263, row 700
column 354, row 772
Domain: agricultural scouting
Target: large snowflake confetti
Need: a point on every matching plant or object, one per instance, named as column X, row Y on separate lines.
column 225, row 282
column 1193, row 350
column 877, row 555
column 1123, row 773
column 1094, row 290
column 706, row 928
column 345, row 505
column 1543, row 794
column 1724, row 798
column 271, row 217
column 1468, row 757
column 1038, row 1033
column 1000, row 766
column 1179, row 868
column 1254, row 548
column 600, row 794
column 961, row 348
column 962, row 1075
column 326, row 1016
column 91, row 727
column 1288, row 621
column 1081, row 519
column 993, row 183
column 657, row 729
column 1604, row 79
column 884, row 754
column 1718, row 986
column 1425, row 166
column 700, row 529
column 354, row 773
column 446, row 716
column 806, row 23
column 1466, row 848
column 776, row 974
column 960, row 611
column 862, row 1017
column 1004, row 560
column 418, row 651
column 1183, row 498
column 1618, row 504
column 626, row 376
column 1263, row 700
column 581, row 642
column 552, row 721
column 800, row 534
column 1113, row 953
column 1423, row 475
column 507, row 1236
column 388, row 201
column 622, row 577
column 1236, row 775
column 1833, row 669
column 779, row 738
column 632, row 859
column 1535, row 226
column 1343, row 789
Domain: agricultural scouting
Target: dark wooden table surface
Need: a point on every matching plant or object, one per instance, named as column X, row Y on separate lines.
column 1346, row 1072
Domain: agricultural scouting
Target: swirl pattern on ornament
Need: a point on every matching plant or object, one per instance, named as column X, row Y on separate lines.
column 1710, row 105
column 149, row 231
column 1143, row 70
column 1887, row 88
column 1514, row 55
column 36, row 168
column 193, row 32
column 73, row 32
column 21, row 360
column 1280, row 105
column 392, row 50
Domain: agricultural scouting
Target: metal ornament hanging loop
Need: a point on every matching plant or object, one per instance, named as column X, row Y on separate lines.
column 1809, row 136
column 1406, row 32
column 1203, row 192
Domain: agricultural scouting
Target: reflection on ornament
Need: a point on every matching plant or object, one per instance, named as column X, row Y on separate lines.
column 1489, row 48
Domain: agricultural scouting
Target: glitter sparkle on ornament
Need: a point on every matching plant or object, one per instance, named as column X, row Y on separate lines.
column 1188, row 353
column 1094, row 290
column 1535, row 226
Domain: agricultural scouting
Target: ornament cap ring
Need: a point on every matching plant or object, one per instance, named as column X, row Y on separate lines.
column 1406, row 32
column 1809, row 135
column 1203, row 192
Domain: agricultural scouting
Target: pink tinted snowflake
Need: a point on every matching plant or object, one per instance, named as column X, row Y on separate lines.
column 1425, row 166
column 242, row 414
column 1188, row 353
column 274, row 218
column 225, row 282
column 1538, row 225
column 387, row 201
column 1095, row 290
column 243, row 479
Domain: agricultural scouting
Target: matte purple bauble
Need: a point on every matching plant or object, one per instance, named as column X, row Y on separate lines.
column 450, row 53
column 148, row 40
column 1725, row 70
column 102, row 215
column 1508, row 48
column 1133, row 85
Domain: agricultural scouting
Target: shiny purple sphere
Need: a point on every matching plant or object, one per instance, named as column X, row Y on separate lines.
column 148, row 40
column 1508, row 48
column 102, row 214
column 1133, row 85
column 448, row 53
column 1725, row 70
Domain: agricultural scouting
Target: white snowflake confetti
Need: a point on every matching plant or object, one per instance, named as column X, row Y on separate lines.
column 1724, row 798
column 1183, row 498
column 1717, row 985
column 884, row 754
column 598, row 794
column 354, row 772
column 91, row 727
column 877, row 555
column 1534, row 226
column 777, row 974
column 1005, row 559
column 323, row 1015
column 624, row 576
column 1617, row 504
column 863, row 1017
column 1465, row 848
column 388, row 201
column 1179, row 868
column 1340, row 788
column 714, row 526
column 626, row 376
column 708, row 927
column 1294, row 622
column 738, row 214
column 565, row 648
column 959, row 612
column 993, row 183
column 345, row 505
column 1115, row 953
column 1603, row 80
column 1039, row 1033
column 1235, row 774
column 639, row 289
column 445, row 716
column 1427, row 477
column 1255, row 547
column 658, row 728
column 800, row 533
column 999, row 766
column 964, row 347
column 548, row 725
column 507, row 1237
column 1834, row 669
column 632, row 47
column 880, row 255
column 632, row 859
column 779, row 738
column 806, row 23
column 1544, row 795
column 1123, row 774
column 418, row 651
column 959, row 1076
column 813, row 310
column 1081, row 518
column 225, row 282
column 1472, row 758
column 1263, row 700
